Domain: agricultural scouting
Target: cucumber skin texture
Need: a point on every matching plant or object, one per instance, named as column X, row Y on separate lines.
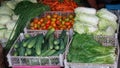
column 56, row 41
column 16, row 45
column 26, row 42
column 32, row 42
column 21, row 51
column 57, row 47
column 51, row 52
column 50, row 31
column 59, row 52
column 51, row 40
column 28, row 51
column 45, row 52
column 38, row 46
column 63, row 34
column 62, row 44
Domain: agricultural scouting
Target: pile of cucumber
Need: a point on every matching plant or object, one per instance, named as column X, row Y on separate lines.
column 42, row 45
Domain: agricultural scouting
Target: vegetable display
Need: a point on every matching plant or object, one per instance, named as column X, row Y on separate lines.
column 89, row 20
column 53, row 20
column 48, row 15
column 26, row 11
column 60, row 5
column 89, row 50
column 41, row 45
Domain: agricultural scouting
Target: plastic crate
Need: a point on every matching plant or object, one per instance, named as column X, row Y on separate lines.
column 104, row 40
column 61, row 13
column 36, row 67
column 38, row 60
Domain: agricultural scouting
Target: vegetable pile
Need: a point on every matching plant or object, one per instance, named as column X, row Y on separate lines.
column 41, row 45
column 60, row 5
column 26, row 11
column 84, row 49
column 101, row 22
column 7, row 19
column 53, row 20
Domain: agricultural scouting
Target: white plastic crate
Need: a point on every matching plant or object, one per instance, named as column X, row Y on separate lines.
column 104, row 40
column 34, row 60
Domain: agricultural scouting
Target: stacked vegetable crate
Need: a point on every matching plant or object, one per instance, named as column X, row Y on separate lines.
column 105, row 41
column 34, row 60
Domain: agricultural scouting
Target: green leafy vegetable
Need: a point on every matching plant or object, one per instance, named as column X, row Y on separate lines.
column 84, row 49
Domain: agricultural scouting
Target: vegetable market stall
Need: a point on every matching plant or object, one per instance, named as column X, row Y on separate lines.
column 28, row 22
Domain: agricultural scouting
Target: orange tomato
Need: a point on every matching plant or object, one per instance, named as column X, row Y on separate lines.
column 67, row 23
column 54, row 25
column 43, row 24
column 39, row 22
column 59, row 17
column 55, row 15
column 41, row 19
column 31, row 24
column 35, row 26
column 35, row 20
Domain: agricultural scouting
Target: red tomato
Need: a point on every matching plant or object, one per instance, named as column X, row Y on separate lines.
column 58, row 22
column 48, row 22
column 56, row 28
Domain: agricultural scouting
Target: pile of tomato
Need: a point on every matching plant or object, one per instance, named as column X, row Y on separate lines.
column 55, row 21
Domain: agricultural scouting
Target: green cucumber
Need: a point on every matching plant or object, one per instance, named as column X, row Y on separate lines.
column 50, row 41
column 25, row 42
column 27, row 36
column 63, row 34
column 38, row 46
column 16, row 45
column 59, row 52
column 44, row 53
column 32, row 42
column 56, row 41
column 21, row 51
column 65, row 40
column 57, row 47
column 15, row 53
column 29, row 51
column 62, row 44
column 51, row 52
column 50, row 31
